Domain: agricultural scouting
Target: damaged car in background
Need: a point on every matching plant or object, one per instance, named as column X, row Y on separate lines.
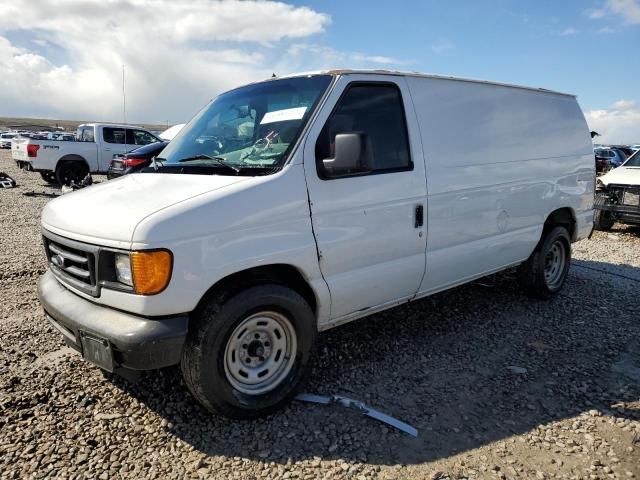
column 135, row 160
column 618, row 195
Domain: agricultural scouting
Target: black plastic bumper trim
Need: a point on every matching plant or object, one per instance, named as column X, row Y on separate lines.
column 139, row 343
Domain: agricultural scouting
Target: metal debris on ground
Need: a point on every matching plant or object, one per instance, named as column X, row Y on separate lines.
column 41, row 194
column 85, row 182
column 361, row 407
column 6, row 181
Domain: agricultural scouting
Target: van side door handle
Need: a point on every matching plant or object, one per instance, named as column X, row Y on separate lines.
column 419, row 216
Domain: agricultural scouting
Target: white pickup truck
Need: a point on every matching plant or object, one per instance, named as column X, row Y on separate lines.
column 64, row 162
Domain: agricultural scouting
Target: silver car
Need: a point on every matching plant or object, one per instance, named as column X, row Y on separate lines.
column 5, row 139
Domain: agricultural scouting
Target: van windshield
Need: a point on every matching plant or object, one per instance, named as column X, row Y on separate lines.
column 251, row 129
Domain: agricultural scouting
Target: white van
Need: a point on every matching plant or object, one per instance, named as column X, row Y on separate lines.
column 293, row 205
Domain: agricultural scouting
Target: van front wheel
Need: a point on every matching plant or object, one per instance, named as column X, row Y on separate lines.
column 247, row 355
column 545, row 271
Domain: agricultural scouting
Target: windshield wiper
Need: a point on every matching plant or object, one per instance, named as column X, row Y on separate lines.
column 155, row 161
column 219, row 160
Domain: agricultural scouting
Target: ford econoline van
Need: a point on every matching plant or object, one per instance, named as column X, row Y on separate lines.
column 289, row 206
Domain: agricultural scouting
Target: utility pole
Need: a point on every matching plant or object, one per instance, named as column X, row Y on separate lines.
column 124, row 98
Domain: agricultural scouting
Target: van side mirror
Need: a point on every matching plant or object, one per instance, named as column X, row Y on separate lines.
column 349, row 155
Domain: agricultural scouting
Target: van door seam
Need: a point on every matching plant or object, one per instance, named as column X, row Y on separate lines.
column 313, row 232
column 426, row 189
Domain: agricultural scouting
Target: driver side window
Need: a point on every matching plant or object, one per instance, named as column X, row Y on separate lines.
column 375, row 111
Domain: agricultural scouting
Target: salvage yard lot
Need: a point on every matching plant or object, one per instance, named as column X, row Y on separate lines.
column 498, row 385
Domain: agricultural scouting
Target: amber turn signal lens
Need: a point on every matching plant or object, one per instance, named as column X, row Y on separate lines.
column 151, row 271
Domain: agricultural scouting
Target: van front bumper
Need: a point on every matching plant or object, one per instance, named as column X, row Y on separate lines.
column 110, row 338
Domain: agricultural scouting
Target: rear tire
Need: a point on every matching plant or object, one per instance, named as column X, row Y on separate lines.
column 545, row 271
column 603, row 220
column 49, row 177
column 230, row 361
column 71, row 171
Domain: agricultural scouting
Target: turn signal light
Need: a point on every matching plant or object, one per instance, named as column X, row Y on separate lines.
column 151, row 271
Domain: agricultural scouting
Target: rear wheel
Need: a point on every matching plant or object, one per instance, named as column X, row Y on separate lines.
column 247, row 355
column 71, row 172
column 545, row 271
column 49, row 177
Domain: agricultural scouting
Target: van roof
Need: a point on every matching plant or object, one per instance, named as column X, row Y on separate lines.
column 347, row 71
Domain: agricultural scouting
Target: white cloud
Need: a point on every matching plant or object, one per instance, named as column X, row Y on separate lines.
column 177, row 55
column 568, row 31
column 606, row 30
column 620, row 124
column 596, row 13
column 377, row 59
column 306, row 57
column 629, row 10
column 442, row 47
column 624, row 104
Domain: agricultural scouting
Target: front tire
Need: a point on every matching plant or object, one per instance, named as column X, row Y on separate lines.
column 246, row 356
column 603, row 220
column 545, row 271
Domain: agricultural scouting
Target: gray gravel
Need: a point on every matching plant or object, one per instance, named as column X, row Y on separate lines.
column 499, row 386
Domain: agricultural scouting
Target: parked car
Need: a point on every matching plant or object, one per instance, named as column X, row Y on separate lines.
column 614, row 156
column 66, row 137
column 618, row 195
column 135, row 160
column 171, row 132
column 602, row 165
column 65, row 162
column 312, row 201
column 626, row 149
column 5, row 139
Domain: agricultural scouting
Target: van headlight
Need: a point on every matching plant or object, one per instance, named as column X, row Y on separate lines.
column 147, row 271
column 123, row 269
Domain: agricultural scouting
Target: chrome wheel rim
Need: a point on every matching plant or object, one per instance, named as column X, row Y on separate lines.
column 555, row 263
column 260, row 352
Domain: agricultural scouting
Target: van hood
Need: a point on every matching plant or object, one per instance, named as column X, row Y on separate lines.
column 107, row 213
column 622, row 176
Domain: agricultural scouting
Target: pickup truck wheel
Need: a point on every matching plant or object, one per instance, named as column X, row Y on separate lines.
column 545, row 271
column 603, row 220
column 68, row 172
column 49, row 177
column 246, row 356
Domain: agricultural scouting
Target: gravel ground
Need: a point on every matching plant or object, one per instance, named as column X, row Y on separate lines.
column 498, row 385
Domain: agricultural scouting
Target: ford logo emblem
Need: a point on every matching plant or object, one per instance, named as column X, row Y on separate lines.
column 58, row 261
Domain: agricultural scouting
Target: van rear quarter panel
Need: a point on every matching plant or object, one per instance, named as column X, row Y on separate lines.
column 499, row 160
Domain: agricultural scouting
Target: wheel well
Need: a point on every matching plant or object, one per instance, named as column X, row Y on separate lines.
column 72, row 158
column 282, row 274
column 561, row 217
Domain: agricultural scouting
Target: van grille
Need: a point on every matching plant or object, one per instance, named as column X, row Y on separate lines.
column 72, row 262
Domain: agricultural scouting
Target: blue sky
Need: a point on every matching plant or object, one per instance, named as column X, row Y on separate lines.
column 178, row 55
column 552, row 44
